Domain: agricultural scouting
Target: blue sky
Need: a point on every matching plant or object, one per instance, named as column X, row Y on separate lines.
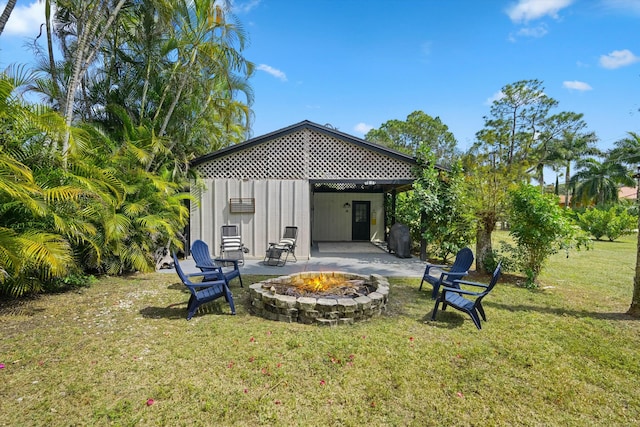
column 356, row 64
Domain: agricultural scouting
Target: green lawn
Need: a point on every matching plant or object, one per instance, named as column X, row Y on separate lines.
column 562, row 355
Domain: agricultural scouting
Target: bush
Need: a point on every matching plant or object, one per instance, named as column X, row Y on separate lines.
column 440, row 197
column 612, row 223
column 540, row 229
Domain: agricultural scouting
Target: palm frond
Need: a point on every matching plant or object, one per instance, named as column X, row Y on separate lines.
column 47, row 252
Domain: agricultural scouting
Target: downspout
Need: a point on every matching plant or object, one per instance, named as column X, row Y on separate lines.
column 393, row 206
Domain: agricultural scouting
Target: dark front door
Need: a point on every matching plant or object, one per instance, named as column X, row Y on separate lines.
column 360, row 228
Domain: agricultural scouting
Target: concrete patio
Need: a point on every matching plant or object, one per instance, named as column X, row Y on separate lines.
column 354, row 257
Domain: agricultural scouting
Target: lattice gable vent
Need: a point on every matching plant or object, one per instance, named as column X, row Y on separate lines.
column 280, row 158
column 333, row 158
column 306, row 154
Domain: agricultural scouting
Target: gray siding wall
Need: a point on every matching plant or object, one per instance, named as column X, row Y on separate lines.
column 279, row 203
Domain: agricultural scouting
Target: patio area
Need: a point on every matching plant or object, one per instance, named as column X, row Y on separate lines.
column 353, row 257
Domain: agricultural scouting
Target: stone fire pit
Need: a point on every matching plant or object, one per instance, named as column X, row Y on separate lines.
column 357, row 297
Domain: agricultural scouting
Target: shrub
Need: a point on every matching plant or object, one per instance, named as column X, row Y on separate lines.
column 612, row 223
column 540, row 229
column 441, row 198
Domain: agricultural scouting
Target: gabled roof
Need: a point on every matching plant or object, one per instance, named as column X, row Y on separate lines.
column 306, row 124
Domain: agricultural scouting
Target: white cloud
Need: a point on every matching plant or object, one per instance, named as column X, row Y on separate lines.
column 24, row 20
column 273, row 71
column 529, row 10
column 625, row 6
column 245, row 6
column 362, row 128
column 618, row 58
column 576, row 85
column 495, row 97
column 537, row 32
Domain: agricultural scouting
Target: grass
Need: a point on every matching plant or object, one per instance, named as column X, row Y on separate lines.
column 565, row 354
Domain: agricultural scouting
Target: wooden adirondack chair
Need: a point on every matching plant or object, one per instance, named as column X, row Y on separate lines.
column 202, row 256
column 203, row 292
column 459, row 269
column 467, row 301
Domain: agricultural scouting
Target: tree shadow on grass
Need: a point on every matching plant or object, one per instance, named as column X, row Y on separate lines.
column 173, row 311
column 177, row 287
column 558, row 311
column 20, row 307
column 406, row 301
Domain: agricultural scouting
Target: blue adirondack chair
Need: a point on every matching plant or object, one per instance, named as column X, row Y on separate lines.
column 459, row 269
column 467, row 301
column 206, row 264
column 203, row 292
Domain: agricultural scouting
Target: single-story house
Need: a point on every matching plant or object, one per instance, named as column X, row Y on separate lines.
column 629, row 193
column 624, row 193
column 329, row 184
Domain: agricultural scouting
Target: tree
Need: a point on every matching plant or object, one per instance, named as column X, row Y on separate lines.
column 150, row 213
column 91, row 30
column 552, row 136
column 572, row 147
column 175, row 67
column 419, row 129
column 634, row 309
column 436, row 196
column 103, row 194
column 8, row 8
column 627, row 150
column 29, row 253
column 597, row 182
column 103, row 213
column 440, row 195
column 519, row 116
column 487, row 182
column 503, row 154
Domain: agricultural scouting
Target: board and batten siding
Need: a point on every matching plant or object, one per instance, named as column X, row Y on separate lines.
column 332, row 221
column 278, row 203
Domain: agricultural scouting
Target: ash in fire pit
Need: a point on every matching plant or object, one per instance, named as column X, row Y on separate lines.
column 320, row 297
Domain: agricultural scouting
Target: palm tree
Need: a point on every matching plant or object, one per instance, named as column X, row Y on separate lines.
column 6, row 13
column 627, row 150
column 569, row 149
column 550, row 137
column 89, row 22
column 175, row 67
column 207, row 57
column 26, row 250
column 150, row 213
column 598, row 182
